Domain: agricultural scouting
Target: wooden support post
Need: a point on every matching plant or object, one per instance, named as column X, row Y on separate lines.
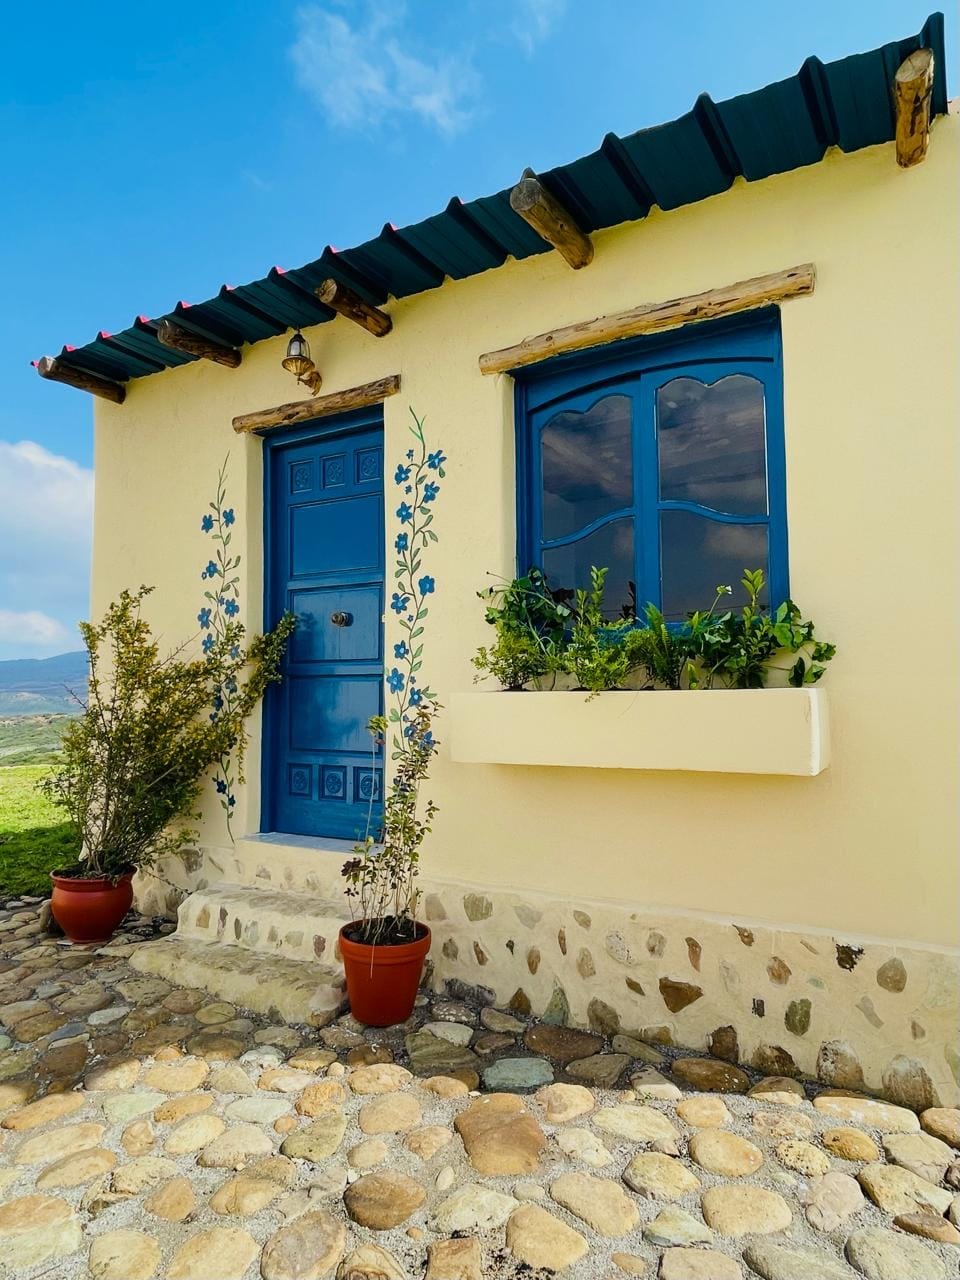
column 653, row 317
column 288, row 415
column 347, row 302
column 55, row 370
column 180, row 339
column 544, row 212
column 912, row 94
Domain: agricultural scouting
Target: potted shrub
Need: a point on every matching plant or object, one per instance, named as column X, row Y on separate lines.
column 385, row 946
column 134, row 762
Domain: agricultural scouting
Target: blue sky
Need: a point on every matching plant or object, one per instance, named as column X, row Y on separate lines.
column 154, row 152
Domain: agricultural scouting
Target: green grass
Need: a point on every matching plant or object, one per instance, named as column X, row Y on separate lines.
column 31, row 739
column 34, row 839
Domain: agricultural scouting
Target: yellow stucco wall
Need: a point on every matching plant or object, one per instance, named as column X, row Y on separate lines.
column 867, row 848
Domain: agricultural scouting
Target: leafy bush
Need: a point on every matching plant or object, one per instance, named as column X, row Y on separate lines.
column 134, row 762
column 539, row 632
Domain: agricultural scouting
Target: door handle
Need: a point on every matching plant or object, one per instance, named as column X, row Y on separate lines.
column 340, row 619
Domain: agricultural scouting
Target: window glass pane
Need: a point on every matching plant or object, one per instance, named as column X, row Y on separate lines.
column 610, row 547
column 587, row 467
column 697, row 554
column 711, row 444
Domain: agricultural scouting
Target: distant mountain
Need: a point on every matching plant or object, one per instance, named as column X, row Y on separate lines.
column 40, row 686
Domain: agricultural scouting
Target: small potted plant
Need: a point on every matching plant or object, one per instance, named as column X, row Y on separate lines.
column 385, row 946
column 134, row 762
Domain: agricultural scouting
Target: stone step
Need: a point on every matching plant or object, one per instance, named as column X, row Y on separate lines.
column 292, row 991
column 272, row 922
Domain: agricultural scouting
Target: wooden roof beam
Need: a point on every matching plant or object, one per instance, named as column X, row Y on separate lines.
column 289, row 415
column 551, row 221
column 179, row 339
column 912, row 95
column 55, row 370
column 347, row 302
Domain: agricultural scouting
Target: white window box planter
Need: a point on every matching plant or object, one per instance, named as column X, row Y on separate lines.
column 772, row 731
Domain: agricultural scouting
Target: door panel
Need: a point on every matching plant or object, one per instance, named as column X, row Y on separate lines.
column 325, row 549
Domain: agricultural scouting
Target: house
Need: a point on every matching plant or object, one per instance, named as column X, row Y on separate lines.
column 771, row 875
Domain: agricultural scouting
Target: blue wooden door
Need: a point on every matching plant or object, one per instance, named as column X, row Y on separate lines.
column 324, row 563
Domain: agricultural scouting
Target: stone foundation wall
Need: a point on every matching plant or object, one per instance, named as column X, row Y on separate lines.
column 854, row 1012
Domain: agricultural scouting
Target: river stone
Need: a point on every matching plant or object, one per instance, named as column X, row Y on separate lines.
column 318, row 1141
column 370, row 1262
column 14, row 1097
column 659, row 1177
column 648, row 1082
column 193, row 1134
column 563, row 1102
column 517, row 1073
column 429, row 1055
column 138, row 1138
column 921, row 1153
column 173, row 1201
column 141, row 1174
column 284, row 1080
column 884, row 1255
column 791, row 1262
column 581, row 1144
column 445, row 1087
column 453, row 1260
column 368, row 1154
column 783, row 1090
column 76, row 1170
column 44, row 1111
column 321, row 1098
column 231, row 1078
column 473, row 1208
column 244, row 1195
column 217, row 1251
column 635, row 1123
column 43, row 1148
column 258, row 1110
column 381, row 1077
column 674, row 1226
column 36, row 1229
column 188, row 1104
column 704, row 1112
column 454, row 1032
column 121, row 1108
column 850, row 1144
column 602, row 1070
column 867, row 1111
column 803, row 1157
column 123, row 1255
column 724, row 1153
column 390, row 1113
column 426, row 1142
column 235, row 1147
column 698, row 1264
column 539, row 1240
column 599, row 1202
column 897, row 1190
column 942, row 1123
column 504, row 1023
column 563, row 1044
column 176, row 1077
column 830, row 1200
column 631, row 1263
column 745, row 1210
column 711, row 1076
column 500, row 1135
column 782, row 1124
column 113, row 1075
column 383, row 1200
column 928, row 1225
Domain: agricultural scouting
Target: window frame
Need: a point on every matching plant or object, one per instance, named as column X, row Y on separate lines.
column 750, row 344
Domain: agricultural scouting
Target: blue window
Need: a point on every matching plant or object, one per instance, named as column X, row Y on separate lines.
column 661, row 459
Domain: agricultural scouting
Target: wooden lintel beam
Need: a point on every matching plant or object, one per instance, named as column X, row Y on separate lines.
column 55, row 370
column 761, row 291
column 347, row 302
column 288, row 415
column 180, row 339
column 912, row 95
column 544, row 212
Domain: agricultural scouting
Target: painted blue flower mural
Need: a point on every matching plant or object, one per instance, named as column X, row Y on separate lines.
column 215, row 617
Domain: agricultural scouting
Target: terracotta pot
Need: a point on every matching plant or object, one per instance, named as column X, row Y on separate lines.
column 382, row 982
column 89, row 910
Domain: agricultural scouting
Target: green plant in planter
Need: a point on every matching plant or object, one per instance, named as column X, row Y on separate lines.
column 133, row 764
column 531, row 622
column 380, row 881
column 596, row 654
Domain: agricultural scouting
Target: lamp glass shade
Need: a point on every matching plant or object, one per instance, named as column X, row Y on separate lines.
column 297, row 360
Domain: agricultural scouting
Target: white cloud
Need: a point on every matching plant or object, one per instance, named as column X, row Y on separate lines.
column 363, row 75
column 46, row 517
column 534, row 20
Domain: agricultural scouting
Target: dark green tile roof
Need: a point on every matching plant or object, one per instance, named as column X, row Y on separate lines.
column 787, row 125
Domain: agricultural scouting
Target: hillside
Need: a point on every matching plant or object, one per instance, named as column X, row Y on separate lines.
column 41, row 686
